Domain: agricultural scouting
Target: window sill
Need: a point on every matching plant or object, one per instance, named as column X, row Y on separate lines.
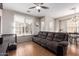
column 25, row 35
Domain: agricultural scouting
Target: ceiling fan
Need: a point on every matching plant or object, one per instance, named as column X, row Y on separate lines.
column 38, row 6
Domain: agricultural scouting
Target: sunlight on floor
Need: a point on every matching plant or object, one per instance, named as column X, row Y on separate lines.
column 73, row 50
column 33, row 49
column 30, row 49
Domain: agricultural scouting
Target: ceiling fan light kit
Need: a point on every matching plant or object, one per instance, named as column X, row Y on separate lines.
column 38, row 6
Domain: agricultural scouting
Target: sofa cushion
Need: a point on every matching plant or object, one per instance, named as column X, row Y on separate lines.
column 44, row 41
column 44, row 35
column 38, row 40
column 59, row 37
column 40, row 34
column 50, row 36
column 64, row 43
column 52, row 45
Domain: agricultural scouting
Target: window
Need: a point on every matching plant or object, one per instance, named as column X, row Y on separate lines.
column 23, row 25
column 72, row 27
column 51, row 26
column 77, row 26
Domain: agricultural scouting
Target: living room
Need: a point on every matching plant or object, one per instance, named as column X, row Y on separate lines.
column 39, row 29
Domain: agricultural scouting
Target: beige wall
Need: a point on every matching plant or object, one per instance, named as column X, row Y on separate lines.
column 7, row 22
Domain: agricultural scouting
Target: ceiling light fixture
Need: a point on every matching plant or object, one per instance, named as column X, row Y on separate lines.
column 38, row 7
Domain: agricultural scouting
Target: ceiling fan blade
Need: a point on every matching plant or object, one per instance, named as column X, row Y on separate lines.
column 38, row 4
column 44, row 7
column 41, row 3
column 32, row 7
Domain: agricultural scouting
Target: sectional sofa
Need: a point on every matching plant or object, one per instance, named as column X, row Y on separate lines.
column 56, row 42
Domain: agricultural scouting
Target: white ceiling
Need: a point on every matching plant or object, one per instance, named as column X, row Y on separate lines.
column 55, row 9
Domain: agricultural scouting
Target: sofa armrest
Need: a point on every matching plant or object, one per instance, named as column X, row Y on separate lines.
column 1, row 40
column 63, row 43
column 62, row 48
column 35, row 35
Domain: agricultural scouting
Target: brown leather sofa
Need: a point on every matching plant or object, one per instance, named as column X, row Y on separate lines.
column 56, row 42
